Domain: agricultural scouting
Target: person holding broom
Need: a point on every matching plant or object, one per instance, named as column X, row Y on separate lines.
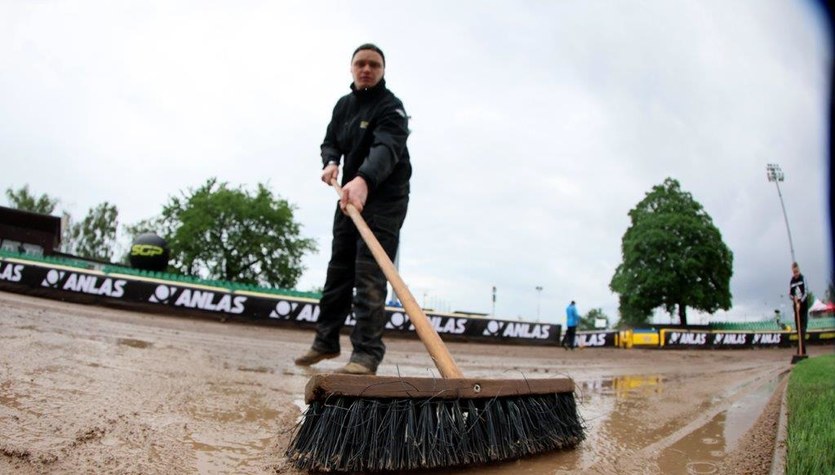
column 367, row 135
column 797, row 292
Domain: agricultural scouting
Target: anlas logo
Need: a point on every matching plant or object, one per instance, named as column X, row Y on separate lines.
column 198, row 299
column 296, row 311
column 84, row 283
column 729, row 339
column 677, row 338
column 11, row 272
column 536, row 331
column 767, row 338
column 591, row 339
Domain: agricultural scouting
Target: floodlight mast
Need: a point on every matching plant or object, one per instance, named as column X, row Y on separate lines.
column 776, row 175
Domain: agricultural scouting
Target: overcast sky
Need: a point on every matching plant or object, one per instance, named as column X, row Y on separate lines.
column 536, row 127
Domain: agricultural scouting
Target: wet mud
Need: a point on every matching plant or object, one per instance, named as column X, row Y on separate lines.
column 93, row 390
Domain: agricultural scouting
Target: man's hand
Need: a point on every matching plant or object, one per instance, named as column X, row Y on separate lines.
column 354, row 192
column 330, row 173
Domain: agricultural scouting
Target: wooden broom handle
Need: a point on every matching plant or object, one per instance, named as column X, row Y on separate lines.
column 800, row 342
column 426, row 332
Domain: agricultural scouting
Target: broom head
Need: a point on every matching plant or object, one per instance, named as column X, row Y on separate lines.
column 376, row 423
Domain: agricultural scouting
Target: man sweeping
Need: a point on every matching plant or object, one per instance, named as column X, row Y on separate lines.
column 367, row 135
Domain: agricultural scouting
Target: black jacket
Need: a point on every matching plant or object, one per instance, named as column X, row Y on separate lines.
column 369, row 128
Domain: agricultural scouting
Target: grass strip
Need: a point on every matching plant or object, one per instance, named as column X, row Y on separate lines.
column 811, row 417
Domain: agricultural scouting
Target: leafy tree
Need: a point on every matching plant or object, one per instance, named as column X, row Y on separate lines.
column 630, row 315
column 24, row 200
column 95, row 236
column 673, row 256
column 218, row 232
column 588, row 321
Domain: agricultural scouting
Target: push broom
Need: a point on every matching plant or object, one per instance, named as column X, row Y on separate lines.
column 385, row 423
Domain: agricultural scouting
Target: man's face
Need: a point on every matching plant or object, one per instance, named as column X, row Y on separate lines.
column 795, row 271
column 367, row 68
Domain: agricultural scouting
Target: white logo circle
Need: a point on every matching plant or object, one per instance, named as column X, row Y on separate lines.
column 283, row 308
column 52, row 276
column 162, row 292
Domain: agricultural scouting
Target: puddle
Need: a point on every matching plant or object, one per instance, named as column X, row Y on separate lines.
column 133, row 343
column 702, row 450
column 612, row 407
column 623, row 386
column 226, row 453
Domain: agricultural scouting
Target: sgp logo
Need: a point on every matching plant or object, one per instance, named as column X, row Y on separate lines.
column 146, row 250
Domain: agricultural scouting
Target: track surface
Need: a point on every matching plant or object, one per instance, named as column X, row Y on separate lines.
column 98, row 390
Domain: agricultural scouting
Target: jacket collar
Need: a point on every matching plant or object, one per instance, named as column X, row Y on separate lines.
column 370, row 91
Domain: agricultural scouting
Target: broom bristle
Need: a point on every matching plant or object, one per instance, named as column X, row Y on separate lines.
column 347, row 434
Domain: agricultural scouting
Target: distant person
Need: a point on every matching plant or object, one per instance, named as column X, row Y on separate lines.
column 572, row 319
column 797, row 292
column 367, row 133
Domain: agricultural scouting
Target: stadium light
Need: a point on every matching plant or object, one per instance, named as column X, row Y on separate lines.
column 776, row 175
column 538, row 293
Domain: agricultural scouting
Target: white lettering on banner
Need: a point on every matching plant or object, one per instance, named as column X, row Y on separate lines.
column 308, row 313
column 205, row 300
column 678, row 338
column 89, row 284
column 524, row 330
column 452, row 325
column 284, row 310
column 767, row 338
column 12, row 272
column 591, row 339
column 729, row 339
column 84, row 283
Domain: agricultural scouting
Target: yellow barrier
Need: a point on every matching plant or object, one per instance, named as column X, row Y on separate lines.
column 645, row 339
column 631, row 338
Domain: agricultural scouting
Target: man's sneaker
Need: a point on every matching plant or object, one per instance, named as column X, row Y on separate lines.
column 356, row 368
column 313, row 357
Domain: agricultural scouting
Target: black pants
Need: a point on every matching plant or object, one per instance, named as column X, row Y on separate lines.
column 352, row 266
column 568, row 339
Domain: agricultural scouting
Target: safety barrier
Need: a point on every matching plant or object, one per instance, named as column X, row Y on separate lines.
column 159, row 293
column 146, row 291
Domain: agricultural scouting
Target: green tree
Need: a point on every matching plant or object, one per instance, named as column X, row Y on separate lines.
column 630, row 315
column 218, row 232
column 673, row 256
column 95, row 236
column 588, row 321
column 23, row 199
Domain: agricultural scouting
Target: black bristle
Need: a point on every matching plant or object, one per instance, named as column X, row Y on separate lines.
column 354, row 434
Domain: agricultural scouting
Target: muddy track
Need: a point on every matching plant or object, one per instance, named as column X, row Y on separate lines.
column 88, row 389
